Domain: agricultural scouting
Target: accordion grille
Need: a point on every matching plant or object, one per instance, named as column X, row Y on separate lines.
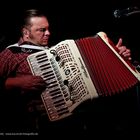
column 108, row 73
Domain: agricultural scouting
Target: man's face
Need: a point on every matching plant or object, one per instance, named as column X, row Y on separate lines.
column 39, row 31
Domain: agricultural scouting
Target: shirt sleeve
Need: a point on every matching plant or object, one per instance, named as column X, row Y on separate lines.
column 7, row 65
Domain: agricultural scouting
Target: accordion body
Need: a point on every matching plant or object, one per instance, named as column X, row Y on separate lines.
column 80, row 70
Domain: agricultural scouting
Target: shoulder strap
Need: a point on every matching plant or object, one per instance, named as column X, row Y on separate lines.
column 15, row 48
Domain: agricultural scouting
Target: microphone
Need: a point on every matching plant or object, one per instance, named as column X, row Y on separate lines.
column 126, row 12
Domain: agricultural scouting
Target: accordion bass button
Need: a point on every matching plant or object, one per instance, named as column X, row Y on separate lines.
column 57, row 58
column 66, row 82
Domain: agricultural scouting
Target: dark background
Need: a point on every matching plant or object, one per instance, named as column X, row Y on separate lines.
column 74, row 19
column 71, row 19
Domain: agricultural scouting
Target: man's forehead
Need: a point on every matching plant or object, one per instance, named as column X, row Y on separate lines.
column 39, row 21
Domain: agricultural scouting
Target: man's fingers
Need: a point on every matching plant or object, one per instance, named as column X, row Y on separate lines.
column 119, row 43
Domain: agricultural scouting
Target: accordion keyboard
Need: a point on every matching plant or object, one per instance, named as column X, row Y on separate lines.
column 52, row 96
column 66, row 80
column 75, row 71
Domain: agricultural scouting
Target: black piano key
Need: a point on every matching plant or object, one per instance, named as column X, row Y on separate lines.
column 51, row 84
column 64, row 112
column 57, row 96
column 47, row 72
column 58, row 101
column 60, row 104
column 57, row 90
column 44, row 65
column 41, row 61
column 42, row 57
column 49, row 75
column 54, row 93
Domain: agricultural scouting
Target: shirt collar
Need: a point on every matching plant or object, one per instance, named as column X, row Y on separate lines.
column 21, row 42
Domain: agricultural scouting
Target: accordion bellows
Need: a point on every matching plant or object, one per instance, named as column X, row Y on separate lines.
column 108, row 70
column 78, row 70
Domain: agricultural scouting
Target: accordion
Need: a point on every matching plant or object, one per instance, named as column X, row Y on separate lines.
column 79, row 70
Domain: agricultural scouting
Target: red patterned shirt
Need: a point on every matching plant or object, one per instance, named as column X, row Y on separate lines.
column 13, row 62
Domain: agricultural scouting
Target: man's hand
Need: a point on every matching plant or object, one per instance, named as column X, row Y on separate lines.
column 125, row 52
column 26, row 83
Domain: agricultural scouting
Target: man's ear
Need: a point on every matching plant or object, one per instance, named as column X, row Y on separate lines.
column 25, row 31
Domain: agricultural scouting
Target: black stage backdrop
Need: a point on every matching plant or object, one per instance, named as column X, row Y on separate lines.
column 73, row 19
